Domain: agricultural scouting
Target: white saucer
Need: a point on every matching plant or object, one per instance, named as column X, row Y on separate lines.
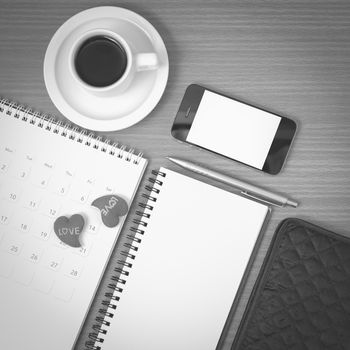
column 98, row 112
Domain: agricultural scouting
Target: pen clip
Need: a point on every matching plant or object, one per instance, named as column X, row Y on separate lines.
column 245, row 193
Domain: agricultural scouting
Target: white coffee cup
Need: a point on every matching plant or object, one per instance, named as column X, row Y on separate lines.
column 135, row 62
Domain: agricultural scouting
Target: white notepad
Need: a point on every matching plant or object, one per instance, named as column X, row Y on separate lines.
column 48, row 170
column 189, row 264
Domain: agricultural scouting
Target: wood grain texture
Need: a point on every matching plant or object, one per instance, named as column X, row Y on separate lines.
column 290, row 57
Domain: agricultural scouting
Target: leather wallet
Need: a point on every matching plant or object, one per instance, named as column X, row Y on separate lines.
column 301, row 299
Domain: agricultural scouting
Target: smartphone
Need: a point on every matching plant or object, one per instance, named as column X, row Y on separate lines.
column 234, row 129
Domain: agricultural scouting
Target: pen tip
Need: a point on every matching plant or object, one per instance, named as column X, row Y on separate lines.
column 292, row 203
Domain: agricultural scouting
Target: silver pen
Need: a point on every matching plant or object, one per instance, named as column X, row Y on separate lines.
column 245, row 188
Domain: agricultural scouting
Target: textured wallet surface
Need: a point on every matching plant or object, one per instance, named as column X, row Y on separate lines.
column 301, row 300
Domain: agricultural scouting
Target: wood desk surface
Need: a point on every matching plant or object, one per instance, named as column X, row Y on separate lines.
column 290, row 57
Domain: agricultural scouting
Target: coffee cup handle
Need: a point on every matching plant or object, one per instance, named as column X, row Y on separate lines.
column 146, row 61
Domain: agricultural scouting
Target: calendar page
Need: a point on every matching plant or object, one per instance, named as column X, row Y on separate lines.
column 46, row 286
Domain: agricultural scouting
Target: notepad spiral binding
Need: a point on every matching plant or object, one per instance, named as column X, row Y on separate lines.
column 117, row 282
column 74, row 133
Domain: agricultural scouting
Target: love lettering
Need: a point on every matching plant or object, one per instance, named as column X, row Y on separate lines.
column 111, row 208
column 113, row 201
column 64, row 231
column 68, row 230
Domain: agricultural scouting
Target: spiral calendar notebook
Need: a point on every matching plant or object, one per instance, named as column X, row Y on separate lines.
column 188, row 255
column 48, row 169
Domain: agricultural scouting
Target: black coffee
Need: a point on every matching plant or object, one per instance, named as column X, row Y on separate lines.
column 100, row 61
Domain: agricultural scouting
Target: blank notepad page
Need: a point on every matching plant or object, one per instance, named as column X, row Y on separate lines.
column 187, row 269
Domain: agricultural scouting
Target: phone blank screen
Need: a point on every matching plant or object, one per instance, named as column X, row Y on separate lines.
column 233, row 129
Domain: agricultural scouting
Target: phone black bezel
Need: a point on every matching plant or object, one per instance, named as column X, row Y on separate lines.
column 280, row 144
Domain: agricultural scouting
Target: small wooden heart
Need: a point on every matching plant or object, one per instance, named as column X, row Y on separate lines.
column 69, row 230
column 111, row 208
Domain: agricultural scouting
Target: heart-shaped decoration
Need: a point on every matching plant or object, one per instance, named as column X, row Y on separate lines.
column 69, row 230
column 111, row 208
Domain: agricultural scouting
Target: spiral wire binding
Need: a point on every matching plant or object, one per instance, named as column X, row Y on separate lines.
column 49, row 123
column 124, row 266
